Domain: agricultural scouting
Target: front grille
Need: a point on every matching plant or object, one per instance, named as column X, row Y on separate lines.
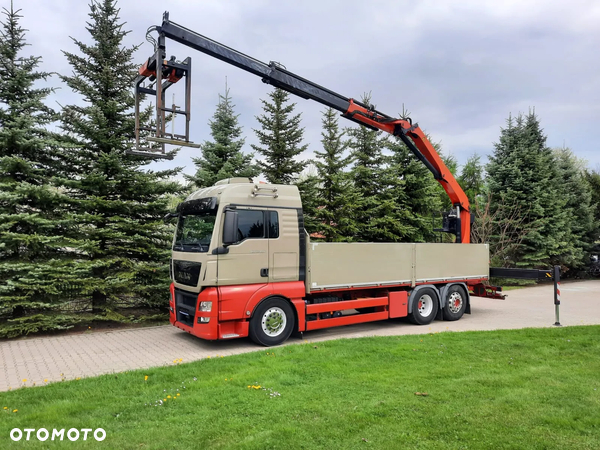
column 186, row 272
column 186, row 298
column 185, row 306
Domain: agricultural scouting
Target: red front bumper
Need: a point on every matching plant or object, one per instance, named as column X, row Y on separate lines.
column 212, row 330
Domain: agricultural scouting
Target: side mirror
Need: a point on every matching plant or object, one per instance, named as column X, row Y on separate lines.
column 170, row 216
column 230, row 227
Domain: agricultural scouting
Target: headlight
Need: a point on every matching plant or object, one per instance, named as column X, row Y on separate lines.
column 205, row 306
column 203, row 319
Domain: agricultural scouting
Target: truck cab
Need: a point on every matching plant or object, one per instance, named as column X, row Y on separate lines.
column 233, row 240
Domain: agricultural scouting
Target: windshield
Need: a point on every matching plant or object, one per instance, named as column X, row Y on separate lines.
column 194, row 232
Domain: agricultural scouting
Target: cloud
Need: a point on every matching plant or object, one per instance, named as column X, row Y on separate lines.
column 461, row 67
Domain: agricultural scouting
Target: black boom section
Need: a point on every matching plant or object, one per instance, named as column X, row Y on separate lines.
column 271, row 73
column 413, row 148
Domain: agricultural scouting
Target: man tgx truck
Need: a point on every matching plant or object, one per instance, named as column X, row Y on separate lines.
column 242, row 263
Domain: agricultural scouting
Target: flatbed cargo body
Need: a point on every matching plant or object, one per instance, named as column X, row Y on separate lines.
column 354, row 265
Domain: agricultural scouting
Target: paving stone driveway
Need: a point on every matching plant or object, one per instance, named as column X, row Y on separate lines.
column 94, row 353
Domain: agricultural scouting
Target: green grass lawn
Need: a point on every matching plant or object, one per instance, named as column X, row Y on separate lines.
column 522, row 389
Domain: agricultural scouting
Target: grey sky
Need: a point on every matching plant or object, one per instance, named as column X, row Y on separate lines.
column 460, row 67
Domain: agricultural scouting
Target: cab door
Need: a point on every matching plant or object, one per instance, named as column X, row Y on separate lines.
column 247, row 260
column 284, row 245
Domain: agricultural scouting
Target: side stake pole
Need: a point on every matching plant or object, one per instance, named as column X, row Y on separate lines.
column 557, row 295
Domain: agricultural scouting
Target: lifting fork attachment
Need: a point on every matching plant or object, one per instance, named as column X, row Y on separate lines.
column 155, row 76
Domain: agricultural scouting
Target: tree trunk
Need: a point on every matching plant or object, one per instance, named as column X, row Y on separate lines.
column 98, row 302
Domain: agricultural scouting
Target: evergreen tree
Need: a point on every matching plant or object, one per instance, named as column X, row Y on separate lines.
column 34, row 231
column 378, row 214
column 592, row 178
column 522, row 171
column 555, row 236
column 417, row 194
column 119, row 205
column 223, row 158
column 308, row 185
column 280, row 139
column 337, row 198
column 471, row 179
column 578, row 209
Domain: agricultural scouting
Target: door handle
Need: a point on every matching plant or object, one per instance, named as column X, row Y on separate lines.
column 264, row 272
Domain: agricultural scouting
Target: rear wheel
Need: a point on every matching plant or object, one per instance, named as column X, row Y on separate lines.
column 424, row 306
column 455, row 303
column 272, row 322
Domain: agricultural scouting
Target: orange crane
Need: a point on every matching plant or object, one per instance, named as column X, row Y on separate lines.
column 457, row 221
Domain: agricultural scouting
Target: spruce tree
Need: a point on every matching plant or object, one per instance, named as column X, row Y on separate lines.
column 555, row 237
column 35, row 275
column 416, row 194
column 337, row 198
column 308, row 184
column 471, row 179
column 280, row 139
column 377, row 208
column 118, row 203
column 222, row 157
column 592, row 177
column 522, row 173
column 578, row 209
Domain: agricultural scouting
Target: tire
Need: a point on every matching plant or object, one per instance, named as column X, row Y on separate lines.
column 272, row 322
column 455, row 303
column 424, row 305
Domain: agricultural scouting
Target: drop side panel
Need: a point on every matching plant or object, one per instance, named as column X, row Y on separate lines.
column 451, row 262
column 343, row 265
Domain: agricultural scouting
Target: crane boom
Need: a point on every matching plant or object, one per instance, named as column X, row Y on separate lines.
column 457, row 221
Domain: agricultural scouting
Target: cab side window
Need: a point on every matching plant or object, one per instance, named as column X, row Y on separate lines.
column 273, row 224
column 251, row 224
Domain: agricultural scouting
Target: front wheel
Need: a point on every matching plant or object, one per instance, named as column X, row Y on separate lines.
column 272, row 322
column 424, row 306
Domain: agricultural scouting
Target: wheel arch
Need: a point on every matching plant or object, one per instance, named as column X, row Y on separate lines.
column 286, row 290
column 277, row 296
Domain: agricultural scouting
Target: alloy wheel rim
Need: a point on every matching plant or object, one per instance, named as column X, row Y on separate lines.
column 455, row 302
